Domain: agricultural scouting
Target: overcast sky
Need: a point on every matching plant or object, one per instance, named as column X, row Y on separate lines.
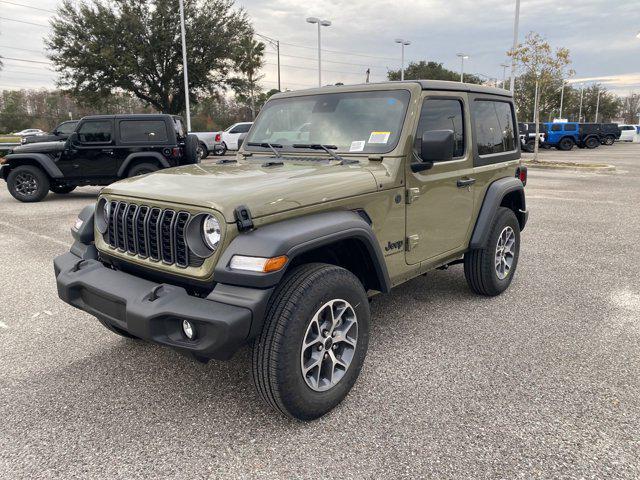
column 601, row 35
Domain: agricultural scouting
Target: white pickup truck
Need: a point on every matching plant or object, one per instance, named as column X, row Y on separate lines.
column 219, row 142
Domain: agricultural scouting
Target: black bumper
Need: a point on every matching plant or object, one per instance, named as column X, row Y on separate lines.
column 129, row 303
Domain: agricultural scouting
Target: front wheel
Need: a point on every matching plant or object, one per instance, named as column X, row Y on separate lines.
column 489, row 270
column 609, row 140
column 28, row 183
column 220, row 149
column 313, row 341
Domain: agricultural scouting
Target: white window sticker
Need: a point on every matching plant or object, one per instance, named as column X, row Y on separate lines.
column 357, row 146
column 379, row 137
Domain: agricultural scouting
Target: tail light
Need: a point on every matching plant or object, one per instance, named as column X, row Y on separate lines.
column 218, row 137
column 521, row 174
column 176, row 152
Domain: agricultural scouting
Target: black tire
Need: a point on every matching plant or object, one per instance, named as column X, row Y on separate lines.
column 28, row 183
column 566, row 144
column 142, row 169
column 530, row 146
column 220, row 150
column 277, row 352
column 203, row 151
column 62, row 189
column 609, row 140
column 191, row 145
column 479, row 265
column 591, row 142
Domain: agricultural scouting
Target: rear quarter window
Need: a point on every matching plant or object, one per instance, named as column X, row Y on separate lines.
column 143, row 131
column 495, row 132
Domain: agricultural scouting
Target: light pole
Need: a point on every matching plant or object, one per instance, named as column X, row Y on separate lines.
column 184, row 67
column 504, row 74
column 403, row 43
column 561, row 97
column 597, row 105
column 275, row 44
column 580, row 110
column 515, row 45
column 462, row 56
column 321, row 23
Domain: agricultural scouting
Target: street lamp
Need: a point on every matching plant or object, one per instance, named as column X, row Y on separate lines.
column 275, row 44
column 185, row 73
column 321, row 23
column 512, row 78
column 504, row 74
column 561, row 97
column 462, row 59
column 403, row 43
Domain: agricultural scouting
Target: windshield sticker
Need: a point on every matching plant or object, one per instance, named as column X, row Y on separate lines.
column 379, row 137
column 357, row 146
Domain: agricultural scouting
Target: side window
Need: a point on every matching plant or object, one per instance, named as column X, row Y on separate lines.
column 494, row 127
column 442, row 114
column 68, row 127
column 556, row 127
column 139, row 131
column 98, row 131
column 570, row 127
column 235, row 129
column 243, row 128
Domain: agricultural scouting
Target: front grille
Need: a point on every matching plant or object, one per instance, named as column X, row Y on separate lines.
column 150, row 233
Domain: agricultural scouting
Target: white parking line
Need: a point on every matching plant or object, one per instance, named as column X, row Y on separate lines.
column 3, row 325
column 44, row 237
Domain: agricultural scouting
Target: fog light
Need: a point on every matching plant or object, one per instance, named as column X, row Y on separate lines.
column 188, row 329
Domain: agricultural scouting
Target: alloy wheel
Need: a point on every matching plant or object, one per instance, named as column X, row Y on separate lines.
column 505, row 252
column 26, row 184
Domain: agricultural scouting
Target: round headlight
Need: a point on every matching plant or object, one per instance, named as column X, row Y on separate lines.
column 211, row 232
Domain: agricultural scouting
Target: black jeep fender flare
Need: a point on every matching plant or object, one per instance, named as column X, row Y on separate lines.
column 141, row 155
column 496, row 193
column 43, row 160
column 295, row 237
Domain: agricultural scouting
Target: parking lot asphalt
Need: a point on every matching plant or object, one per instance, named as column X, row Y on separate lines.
column 540, row 382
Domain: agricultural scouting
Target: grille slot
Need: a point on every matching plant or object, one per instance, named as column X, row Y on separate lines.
column 150, row 232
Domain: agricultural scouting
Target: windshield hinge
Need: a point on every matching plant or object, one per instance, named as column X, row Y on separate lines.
column 412, row 242
column 244, row 221
column 412, row 194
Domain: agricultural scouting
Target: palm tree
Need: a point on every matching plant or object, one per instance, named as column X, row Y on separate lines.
column 249, row 61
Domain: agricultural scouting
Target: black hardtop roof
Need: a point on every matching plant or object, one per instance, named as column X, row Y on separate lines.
column 134, row 116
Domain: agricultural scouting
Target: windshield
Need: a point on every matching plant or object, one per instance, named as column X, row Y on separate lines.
column 356, row 122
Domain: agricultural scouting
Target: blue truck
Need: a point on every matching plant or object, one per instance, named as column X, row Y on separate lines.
column 564, row 135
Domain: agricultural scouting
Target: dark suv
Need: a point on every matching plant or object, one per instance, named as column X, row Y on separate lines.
column 102, row 149
column 61, row 132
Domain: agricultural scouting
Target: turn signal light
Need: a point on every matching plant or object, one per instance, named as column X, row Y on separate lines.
column 521, row 174
column 258, row 264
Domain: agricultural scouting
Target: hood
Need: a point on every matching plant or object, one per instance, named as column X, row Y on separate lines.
column 40, row 147
column 265, row 190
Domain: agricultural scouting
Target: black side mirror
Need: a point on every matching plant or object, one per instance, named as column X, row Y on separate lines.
column 435, row 146
column 72, row 139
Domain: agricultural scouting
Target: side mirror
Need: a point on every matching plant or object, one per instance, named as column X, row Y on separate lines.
column 72, row 139
column 435, row 146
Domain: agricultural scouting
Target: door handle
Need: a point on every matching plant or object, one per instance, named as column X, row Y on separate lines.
column 465, row 182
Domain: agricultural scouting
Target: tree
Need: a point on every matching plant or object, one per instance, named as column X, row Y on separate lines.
column 542, row 68
column 424, row 70
column 134, row 46
column 630, row 108
column 249, row 58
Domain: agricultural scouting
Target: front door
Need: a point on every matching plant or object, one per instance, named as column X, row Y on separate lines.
column 440, row 200
column 91, row 154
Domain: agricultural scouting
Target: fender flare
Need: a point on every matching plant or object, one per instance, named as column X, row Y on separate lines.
column 137, row 155
column 492, row 200
column 294, row 237
column 42, row 159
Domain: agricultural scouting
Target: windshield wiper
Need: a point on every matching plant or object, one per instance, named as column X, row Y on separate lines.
column 272, row 146
column 319, row 146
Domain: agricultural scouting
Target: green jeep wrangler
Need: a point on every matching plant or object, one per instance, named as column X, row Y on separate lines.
column 283, row 247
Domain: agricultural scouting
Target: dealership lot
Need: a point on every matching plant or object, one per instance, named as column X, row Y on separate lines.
column 541, row 381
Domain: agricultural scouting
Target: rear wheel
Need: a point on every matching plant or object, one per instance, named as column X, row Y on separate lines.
column 62, row 189
column 530, row 146
column 591, row 142
column 566, row 144
column 191, row 145
column 142, row 169
column 202, row 151
column 489, row 270
column 313, row 342
column 609, row 140
column 28, row 183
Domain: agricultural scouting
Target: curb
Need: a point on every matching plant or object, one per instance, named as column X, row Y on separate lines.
column 588, row 167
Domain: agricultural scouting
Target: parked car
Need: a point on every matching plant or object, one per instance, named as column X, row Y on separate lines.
column 527, row 134
column 28, row 132
column 104, row 148
column 282, row 247
column 228, row 138
column 208, row 143
column 566, row 135
column 609, row 133
column 628, row 132
column 61, row 132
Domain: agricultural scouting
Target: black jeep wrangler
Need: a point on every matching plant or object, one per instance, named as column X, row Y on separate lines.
column 102, row 149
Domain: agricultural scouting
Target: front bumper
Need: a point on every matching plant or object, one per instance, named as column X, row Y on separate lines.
column 152, row 311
